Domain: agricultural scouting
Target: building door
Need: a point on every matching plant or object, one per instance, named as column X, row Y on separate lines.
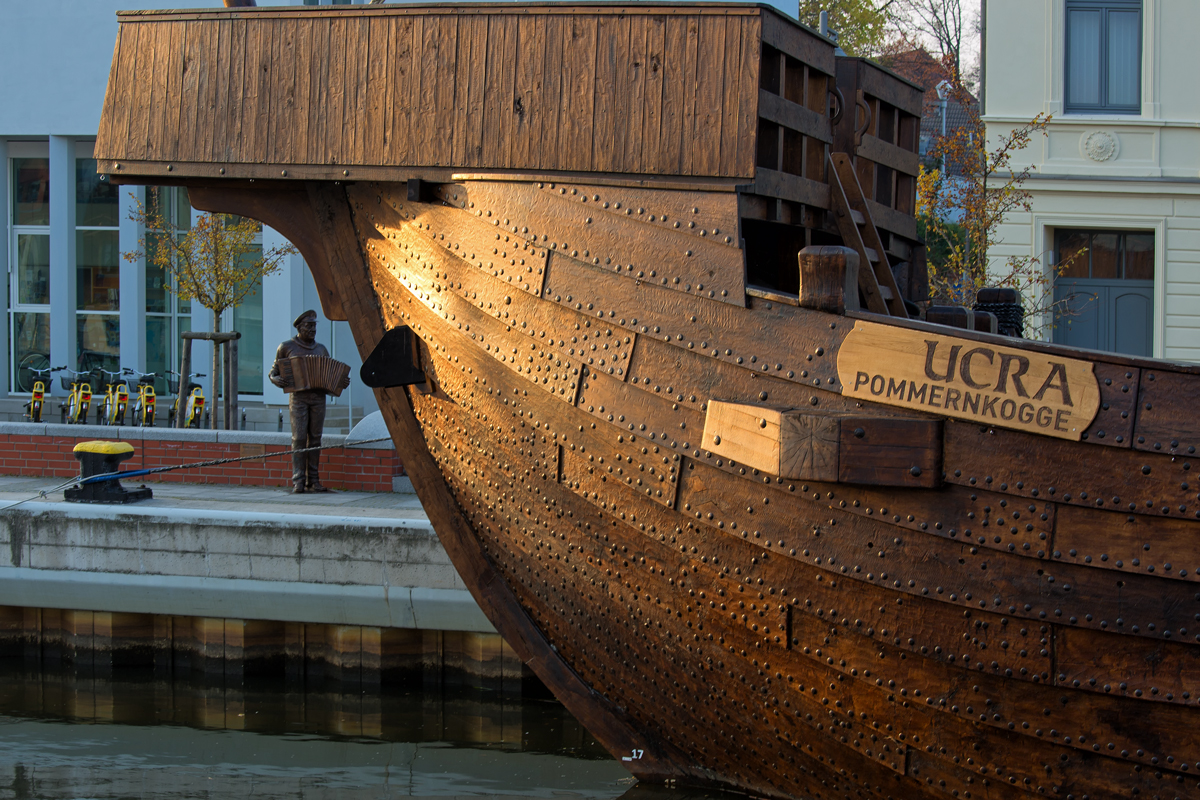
column 1108, row 289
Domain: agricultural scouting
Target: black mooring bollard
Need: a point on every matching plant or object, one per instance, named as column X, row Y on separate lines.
column 101, row 458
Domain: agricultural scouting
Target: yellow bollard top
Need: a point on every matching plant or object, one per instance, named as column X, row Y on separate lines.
column 104, row 448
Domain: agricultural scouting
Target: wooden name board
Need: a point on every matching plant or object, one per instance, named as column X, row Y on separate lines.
column 977, row 381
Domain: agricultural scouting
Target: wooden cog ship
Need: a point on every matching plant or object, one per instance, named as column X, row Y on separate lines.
column 630, row 281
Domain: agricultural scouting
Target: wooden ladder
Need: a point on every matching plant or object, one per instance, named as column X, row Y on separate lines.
column 877, row 283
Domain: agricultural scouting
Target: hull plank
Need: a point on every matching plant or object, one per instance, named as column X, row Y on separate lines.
column 1163, row 423
column 967, row 576
column 1132, row 482
column 576, row 224
column 1113, row 424
column 1135, row 544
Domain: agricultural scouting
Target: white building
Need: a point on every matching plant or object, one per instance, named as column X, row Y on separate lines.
column 1119, row 172
column 72, row 299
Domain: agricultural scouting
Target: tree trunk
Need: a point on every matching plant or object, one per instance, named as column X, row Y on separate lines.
column 213, row 404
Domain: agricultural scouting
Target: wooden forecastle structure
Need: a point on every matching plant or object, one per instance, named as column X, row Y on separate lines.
column 631, row 281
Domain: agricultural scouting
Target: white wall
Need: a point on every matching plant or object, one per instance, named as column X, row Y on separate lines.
column 1147, row 176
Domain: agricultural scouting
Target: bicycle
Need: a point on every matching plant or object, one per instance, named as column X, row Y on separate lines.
column 146, row 402
column 79, row 401
column 193, row 408
column 30, row 364
column 111, row 410
column 33, row 409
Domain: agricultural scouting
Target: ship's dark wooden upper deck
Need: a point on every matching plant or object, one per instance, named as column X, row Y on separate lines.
column 633, row 89
column 705, row 97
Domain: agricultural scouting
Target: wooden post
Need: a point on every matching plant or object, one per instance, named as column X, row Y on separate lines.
column 185, row 367
column 226, row 374
column 829, row 279
column 231, row 405
column 225, row 364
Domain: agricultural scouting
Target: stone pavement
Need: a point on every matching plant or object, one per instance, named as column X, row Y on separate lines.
column 254, row 500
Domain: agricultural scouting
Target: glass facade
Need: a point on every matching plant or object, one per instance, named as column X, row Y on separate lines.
column 33, row 269
column 29, row 279
column 248, row 319
column 96, row 199
column 31, row 191
column 166, row 315
column 99, row 343
column 30, row 346
column 98, row 261
column 97, row 273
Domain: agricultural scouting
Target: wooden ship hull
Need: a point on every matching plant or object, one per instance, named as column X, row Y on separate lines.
column 752, row 536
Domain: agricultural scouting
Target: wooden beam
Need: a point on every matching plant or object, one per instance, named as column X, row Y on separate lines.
column 889, row 155
column 794, row 116
column 798, row 444
column 785, row 186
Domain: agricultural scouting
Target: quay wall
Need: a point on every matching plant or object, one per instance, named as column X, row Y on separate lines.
column 45, row 450
column 231, row 593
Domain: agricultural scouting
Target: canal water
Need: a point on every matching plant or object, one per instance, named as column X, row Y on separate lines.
column 64, row 735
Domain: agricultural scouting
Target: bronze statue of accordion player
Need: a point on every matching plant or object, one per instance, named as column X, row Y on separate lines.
column 304, row 369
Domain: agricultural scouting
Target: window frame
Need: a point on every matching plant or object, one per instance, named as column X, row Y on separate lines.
column 1104, row 107
column 1122, row 235
column 14, row 231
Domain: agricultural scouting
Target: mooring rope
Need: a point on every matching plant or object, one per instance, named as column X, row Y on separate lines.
column 108, row 476
column 41, row 494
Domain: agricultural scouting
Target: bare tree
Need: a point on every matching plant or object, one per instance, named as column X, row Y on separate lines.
column 942, row 22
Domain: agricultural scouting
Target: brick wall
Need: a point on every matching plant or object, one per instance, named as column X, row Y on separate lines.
column 363, row 470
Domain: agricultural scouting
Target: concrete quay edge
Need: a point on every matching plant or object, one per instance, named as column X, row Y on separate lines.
column 282, row 601
column 238, row 518
column 162, row 434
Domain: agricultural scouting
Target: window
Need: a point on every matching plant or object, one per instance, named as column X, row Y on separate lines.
column 248, row 320
column 1110, row 255
column 29, row 281
column 166, row 315
column 1104, row 57
column 97, row 272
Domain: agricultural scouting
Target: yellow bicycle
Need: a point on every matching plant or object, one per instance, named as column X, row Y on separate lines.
column 75, row 408
column 146, row 402
column 111, row 410
column 193, row 406
column 37, row 399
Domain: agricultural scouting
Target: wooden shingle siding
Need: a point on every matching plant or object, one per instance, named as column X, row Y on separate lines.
column 655, row 90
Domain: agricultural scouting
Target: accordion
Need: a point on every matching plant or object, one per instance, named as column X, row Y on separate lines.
column 313, row 372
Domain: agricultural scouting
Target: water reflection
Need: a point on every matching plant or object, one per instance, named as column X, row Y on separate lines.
column 67, row 735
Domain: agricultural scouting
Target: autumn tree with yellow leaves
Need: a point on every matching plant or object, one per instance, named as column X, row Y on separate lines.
column 214, row 262
column 961, row 204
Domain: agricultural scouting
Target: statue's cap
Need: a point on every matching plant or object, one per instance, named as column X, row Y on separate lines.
column 307, row 316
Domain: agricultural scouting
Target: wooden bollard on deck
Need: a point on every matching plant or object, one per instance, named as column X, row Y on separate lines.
column 829, row 279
